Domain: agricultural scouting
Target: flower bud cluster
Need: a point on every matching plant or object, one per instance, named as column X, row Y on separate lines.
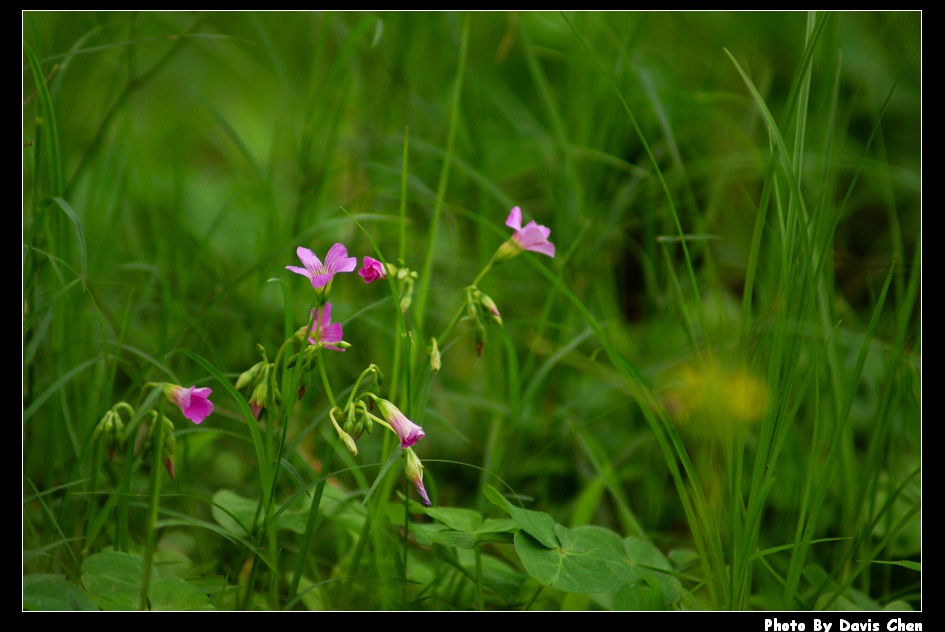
column 480, row 311
column 144, row 442
column 259, row 381
column 111, row 429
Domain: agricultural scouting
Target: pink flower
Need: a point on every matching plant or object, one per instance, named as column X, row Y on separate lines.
column 193, row 402
column 414, row 469
column 408, row 431
column 372, row 270
column 324, row 332
column 533, row 237
column 337, row 260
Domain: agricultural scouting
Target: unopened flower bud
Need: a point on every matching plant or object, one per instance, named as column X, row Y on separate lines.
column 345, row 437
column 480, row 335
column 169, row 466
column 349, row 442
column 248, row 376
column 435, row 363
column 145, row 433
column 414, row 470
column 110, row 428
column 170, row 444
column 472, row 303
column 258, row 399
column 489, row 305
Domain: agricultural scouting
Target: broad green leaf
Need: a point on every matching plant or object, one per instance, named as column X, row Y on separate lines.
column 646, row 594
column 465, row 540
column 173, row 593
column 465, row 528
column 539, row 525
column 589, row 559
column 459, row 519
column 456, row 539
column 113, row 579
column 54, row 592
column 645, row 555
column 593, row 559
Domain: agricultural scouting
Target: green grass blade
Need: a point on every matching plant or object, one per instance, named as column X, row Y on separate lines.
column 265, row 467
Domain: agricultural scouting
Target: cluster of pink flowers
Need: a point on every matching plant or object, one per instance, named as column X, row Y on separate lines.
column 324, row 333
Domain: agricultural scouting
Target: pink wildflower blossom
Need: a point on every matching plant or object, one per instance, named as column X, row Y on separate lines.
column 324, row 332
column 337, row 260
column 532, row 237
column 193, row 402
column 408, row 432
column 372, row 270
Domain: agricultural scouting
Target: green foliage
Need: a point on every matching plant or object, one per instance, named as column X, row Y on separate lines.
column 710, row 398
column 591, row 559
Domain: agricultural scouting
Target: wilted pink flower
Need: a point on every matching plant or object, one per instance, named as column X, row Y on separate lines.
column 533, row 237
column 193, row 402
column 408, row 431
column 414, row 469
column 324, row 332
column 372, row 270
column 337, row 260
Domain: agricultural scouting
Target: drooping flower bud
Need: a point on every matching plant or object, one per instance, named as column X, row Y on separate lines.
column 345, row 437
column 414, row 470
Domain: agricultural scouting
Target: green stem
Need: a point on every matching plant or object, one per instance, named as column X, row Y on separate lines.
column 157, row 451
column 480, row 597
column 441, row 339
column 321, row 371
column 485, row 270
column 354, row 390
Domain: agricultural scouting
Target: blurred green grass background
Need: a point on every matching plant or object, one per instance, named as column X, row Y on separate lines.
column 196, row 150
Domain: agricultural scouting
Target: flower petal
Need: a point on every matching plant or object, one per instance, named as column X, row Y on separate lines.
column 193, row 402
column 311, row 262
column 325, row 333
column 337, row 260
column 515, row 218
column 533, row 237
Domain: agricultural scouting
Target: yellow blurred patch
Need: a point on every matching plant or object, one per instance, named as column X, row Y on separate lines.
column 714, row 398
